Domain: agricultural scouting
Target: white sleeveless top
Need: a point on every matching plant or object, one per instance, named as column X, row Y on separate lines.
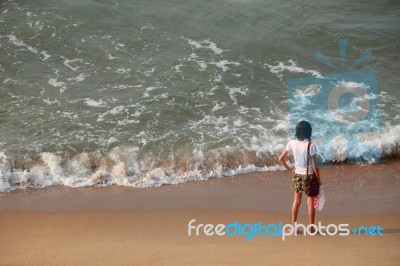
column 299, row 150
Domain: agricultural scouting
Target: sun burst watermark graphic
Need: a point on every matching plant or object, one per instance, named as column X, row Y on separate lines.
column 343, row 43
column 341, row 106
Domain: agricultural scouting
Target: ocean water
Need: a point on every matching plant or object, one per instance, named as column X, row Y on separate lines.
column 146, row 93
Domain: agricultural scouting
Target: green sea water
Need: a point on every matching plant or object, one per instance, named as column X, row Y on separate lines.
column 145, row 93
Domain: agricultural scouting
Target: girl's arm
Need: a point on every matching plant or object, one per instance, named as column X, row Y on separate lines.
column 282, row 160
column 316, row 169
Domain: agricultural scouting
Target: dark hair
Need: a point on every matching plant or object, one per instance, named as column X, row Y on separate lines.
column 303, row 130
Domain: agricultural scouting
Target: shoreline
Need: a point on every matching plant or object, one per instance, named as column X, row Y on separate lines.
column 349, row 190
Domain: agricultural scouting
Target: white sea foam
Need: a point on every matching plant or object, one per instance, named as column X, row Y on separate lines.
column 206, row 44
column 110, row 57
column 233, row 91
column 147, row 27
column 224, row 63
column 125, row 86
column 123, row 166
column 292, row 67
column 114, row 111
column 58, row 84
column 149, row 72
column 68, row 63
column 178, row 67
column 117, row 110
column 118, row 46
column 17, row 42
column 202, row 65
column 217, row 78
column 218, row 106
column 125, row 122
column 123, row 70
column 94, row 103
column 49, row 102
column 37, row 25
column 70, row 115
column 307, row 90
column 148, row 89
column 79, row 78
column 111, row 140
column 151, row 88
column 45, row 56
column 193, row 56
column 386, row 140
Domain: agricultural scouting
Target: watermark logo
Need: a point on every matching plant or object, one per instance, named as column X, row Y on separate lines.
column 339, row 104
column 249, row 231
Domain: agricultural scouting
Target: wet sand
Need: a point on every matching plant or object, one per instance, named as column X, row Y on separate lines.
column 127, row 226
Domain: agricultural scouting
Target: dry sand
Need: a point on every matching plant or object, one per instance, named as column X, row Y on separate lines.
column 127, row 226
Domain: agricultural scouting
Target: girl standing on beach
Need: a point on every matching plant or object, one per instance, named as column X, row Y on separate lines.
column 298, row 147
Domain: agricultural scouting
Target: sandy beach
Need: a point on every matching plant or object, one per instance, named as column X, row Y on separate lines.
column 127, row 226
column 155, row 132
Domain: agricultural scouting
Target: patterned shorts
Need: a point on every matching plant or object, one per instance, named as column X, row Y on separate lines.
column 298, row 182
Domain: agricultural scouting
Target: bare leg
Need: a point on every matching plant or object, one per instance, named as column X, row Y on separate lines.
column 295, row 206
column 311, row 210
